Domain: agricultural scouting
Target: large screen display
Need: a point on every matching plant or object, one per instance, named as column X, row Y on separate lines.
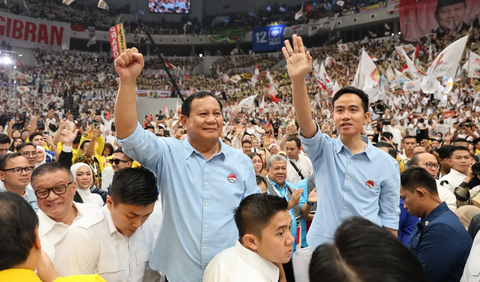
column 169, row 6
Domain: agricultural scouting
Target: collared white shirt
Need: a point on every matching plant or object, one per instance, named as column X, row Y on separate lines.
column 239, row 264
column 455, row 178
column 50, row 231
column 446, row 196
column 93, row 245
column 303, row 164
column 472, row 267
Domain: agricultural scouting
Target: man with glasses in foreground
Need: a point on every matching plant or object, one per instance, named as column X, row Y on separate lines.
column 29, row 151
column 15, row 173
column 429, row 163
column 54, row 187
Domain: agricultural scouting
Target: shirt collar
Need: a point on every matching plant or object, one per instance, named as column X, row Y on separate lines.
column 369, row 151
column 455, row 173
column 255, row 260
column 436, row 212
column 108, row 217
column 189, row 150
column 48, row 223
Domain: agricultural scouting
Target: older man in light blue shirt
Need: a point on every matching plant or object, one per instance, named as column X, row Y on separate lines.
column 351, row 176
column 201, row 180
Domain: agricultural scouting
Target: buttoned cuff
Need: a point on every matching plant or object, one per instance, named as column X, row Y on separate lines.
column 133, row 140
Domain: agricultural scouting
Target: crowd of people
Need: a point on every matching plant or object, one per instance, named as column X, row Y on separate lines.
column 225, row 190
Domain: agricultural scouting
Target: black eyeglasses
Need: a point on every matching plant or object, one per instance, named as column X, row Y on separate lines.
column 28, row 154
column 117, row 161
column 57, row 190
column 19, row 170
column 430, row 165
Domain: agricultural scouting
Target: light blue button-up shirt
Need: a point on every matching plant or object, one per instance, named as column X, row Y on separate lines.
column 29, row 196
column 198, row 200
column 342, row 181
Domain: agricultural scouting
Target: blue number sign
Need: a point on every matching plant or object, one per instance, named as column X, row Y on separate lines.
column 267, row 38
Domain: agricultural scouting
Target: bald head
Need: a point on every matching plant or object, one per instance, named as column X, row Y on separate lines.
column 426, row 161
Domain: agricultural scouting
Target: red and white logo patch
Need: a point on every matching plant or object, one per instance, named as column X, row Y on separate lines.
column 232, row 178
column 370, row 184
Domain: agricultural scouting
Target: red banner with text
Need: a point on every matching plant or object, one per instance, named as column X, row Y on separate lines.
column 118, row 43
column 26, row 32
column 419, row 18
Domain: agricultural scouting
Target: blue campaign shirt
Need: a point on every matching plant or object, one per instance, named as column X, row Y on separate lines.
column 303, row 223
column 441, row 244
column 406, row 224
column 198, row 200
column 29, row 196
column 180, row 4
column 366, row 184
column 283, row 193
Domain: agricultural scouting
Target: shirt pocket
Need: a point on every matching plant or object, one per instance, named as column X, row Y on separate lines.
column 142, row 257
column 110, row 269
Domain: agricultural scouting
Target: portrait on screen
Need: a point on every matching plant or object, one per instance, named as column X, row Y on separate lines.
column 169, row 6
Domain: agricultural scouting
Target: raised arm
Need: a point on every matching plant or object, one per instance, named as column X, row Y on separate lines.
column 299, row 65
column 128, row 66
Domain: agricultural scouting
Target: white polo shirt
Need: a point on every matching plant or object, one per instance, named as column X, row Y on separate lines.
column 239, row 264
column 93, row 245
column 50, row 231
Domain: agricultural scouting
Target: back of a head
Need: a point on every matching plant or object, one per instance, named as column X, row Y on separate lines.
column 445, row 151
column 18, row 222
column 255, row 212
column 415, row 177
column 364, row 252
column 4, row 139
column 134, row 186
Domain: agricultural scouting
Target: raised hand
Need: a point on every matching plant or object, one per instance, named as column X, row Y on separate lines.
column 295, row 197
column 95, row 131
column 299, row 63
column 129, row 65
column 69, row 135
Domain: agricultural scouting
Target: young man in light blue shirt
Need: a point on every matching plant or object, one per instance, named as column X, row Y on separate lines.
column 201, row 180
column 353, row 177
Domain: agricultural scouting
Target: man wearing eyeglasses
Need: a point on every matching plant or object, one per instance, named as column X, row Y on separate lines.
column 15, row 172
column 429, row 162
column 4, row 144
column 29, row 151
column 120, row 160
column 55, row 189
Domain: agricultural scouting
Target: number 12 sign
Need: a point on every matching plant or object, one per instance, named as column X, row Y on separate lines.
column 267, row 38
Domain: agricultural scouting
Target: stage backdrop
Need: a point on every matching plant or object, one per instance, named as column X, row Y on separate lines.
column 419, row 19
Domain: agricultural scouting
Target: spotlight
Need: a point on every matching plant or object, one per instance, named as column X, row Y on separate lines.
column 6, row 60
column 14, row 67
column 200, row 55
column 399, row 32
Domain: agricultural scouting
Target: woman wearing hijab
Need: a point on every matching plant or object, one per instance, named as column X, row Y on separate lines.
column 41, row 156
column 83, row 176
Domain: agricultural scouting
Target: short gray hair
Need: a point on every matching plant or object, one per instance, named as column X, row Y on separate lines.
column 274, row 158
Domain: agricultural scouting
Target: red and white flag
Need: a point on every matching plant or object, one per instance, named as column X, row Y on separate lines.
column 474, row 65
column 226, row 78
column 165, row 111
column 299, row 14
column 342, row 47
column 235, row 79
column 262, row 106
column 102, row 5
column 170, row 66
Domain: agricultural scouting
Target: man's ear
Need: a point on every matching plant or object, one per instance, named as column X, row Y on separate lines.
column 250, row 241
column 2, row 175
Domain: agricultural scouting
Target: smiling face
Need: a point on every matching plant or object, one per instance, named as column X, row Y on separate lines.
column 257, row 164
column 278, row 172
column 349, row 116
column 55, row 206
column 84, row 177
column 452, row 15
column 205, row 122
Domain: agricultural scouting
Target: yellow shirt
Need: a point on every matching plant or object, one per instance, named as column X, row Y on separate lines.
column 27, row 275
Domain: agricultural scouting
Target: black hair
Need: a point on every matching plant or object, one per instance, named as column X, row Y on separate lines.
column 35, row 134
column 187, row 104
column 83, row 144
column 255, row 212
column 253, row 154
column 149, row 127
column 415, row 177
column 443, row 3
column 246, row 142
column 50, row 168
column 364, row 252
column 120, row 150
column 134, row 186
column 444, row 152
column 18, row 221
column 108, row 146
column 410, row 137
column 296, row 139
column 458, row 148
column 352, row 90
column 25, row 144
column 4, row 139
column 77, row 139
column 12, row 146
column 459, row 140
column 391, row 150
column 475, row 158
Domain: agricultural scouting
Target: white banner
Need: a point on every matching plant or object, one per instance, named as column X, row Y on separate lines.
column 324, row 23
column 26, row 32
column 160, row 94
column 474, row 65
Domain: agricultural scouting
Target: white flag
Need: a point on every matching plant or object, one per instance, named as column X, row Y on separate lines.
column 262, row 106
column 247, row 103
column 340, row 3
column 255, row 75
column 91, row 42
column 101, row 77
column 336, row 87
column 178, row 109
column 67, row 2
column 367, row 76
column 102, row 5
column 226, row 78
column 474, row 65
column 342, row 47
column 387, row 27
column 412, row 69
column 299, row 14
column 446, row 63
column 22, row 89
column 235, row 79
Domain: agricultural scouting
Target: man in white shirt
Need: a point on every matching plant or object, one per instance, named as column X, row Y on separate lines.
column 397, row 134
column 54, row 187
column 298, row 166
column 265, row 243
column 114, row 241
column 429, row 163
column 461, row 163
